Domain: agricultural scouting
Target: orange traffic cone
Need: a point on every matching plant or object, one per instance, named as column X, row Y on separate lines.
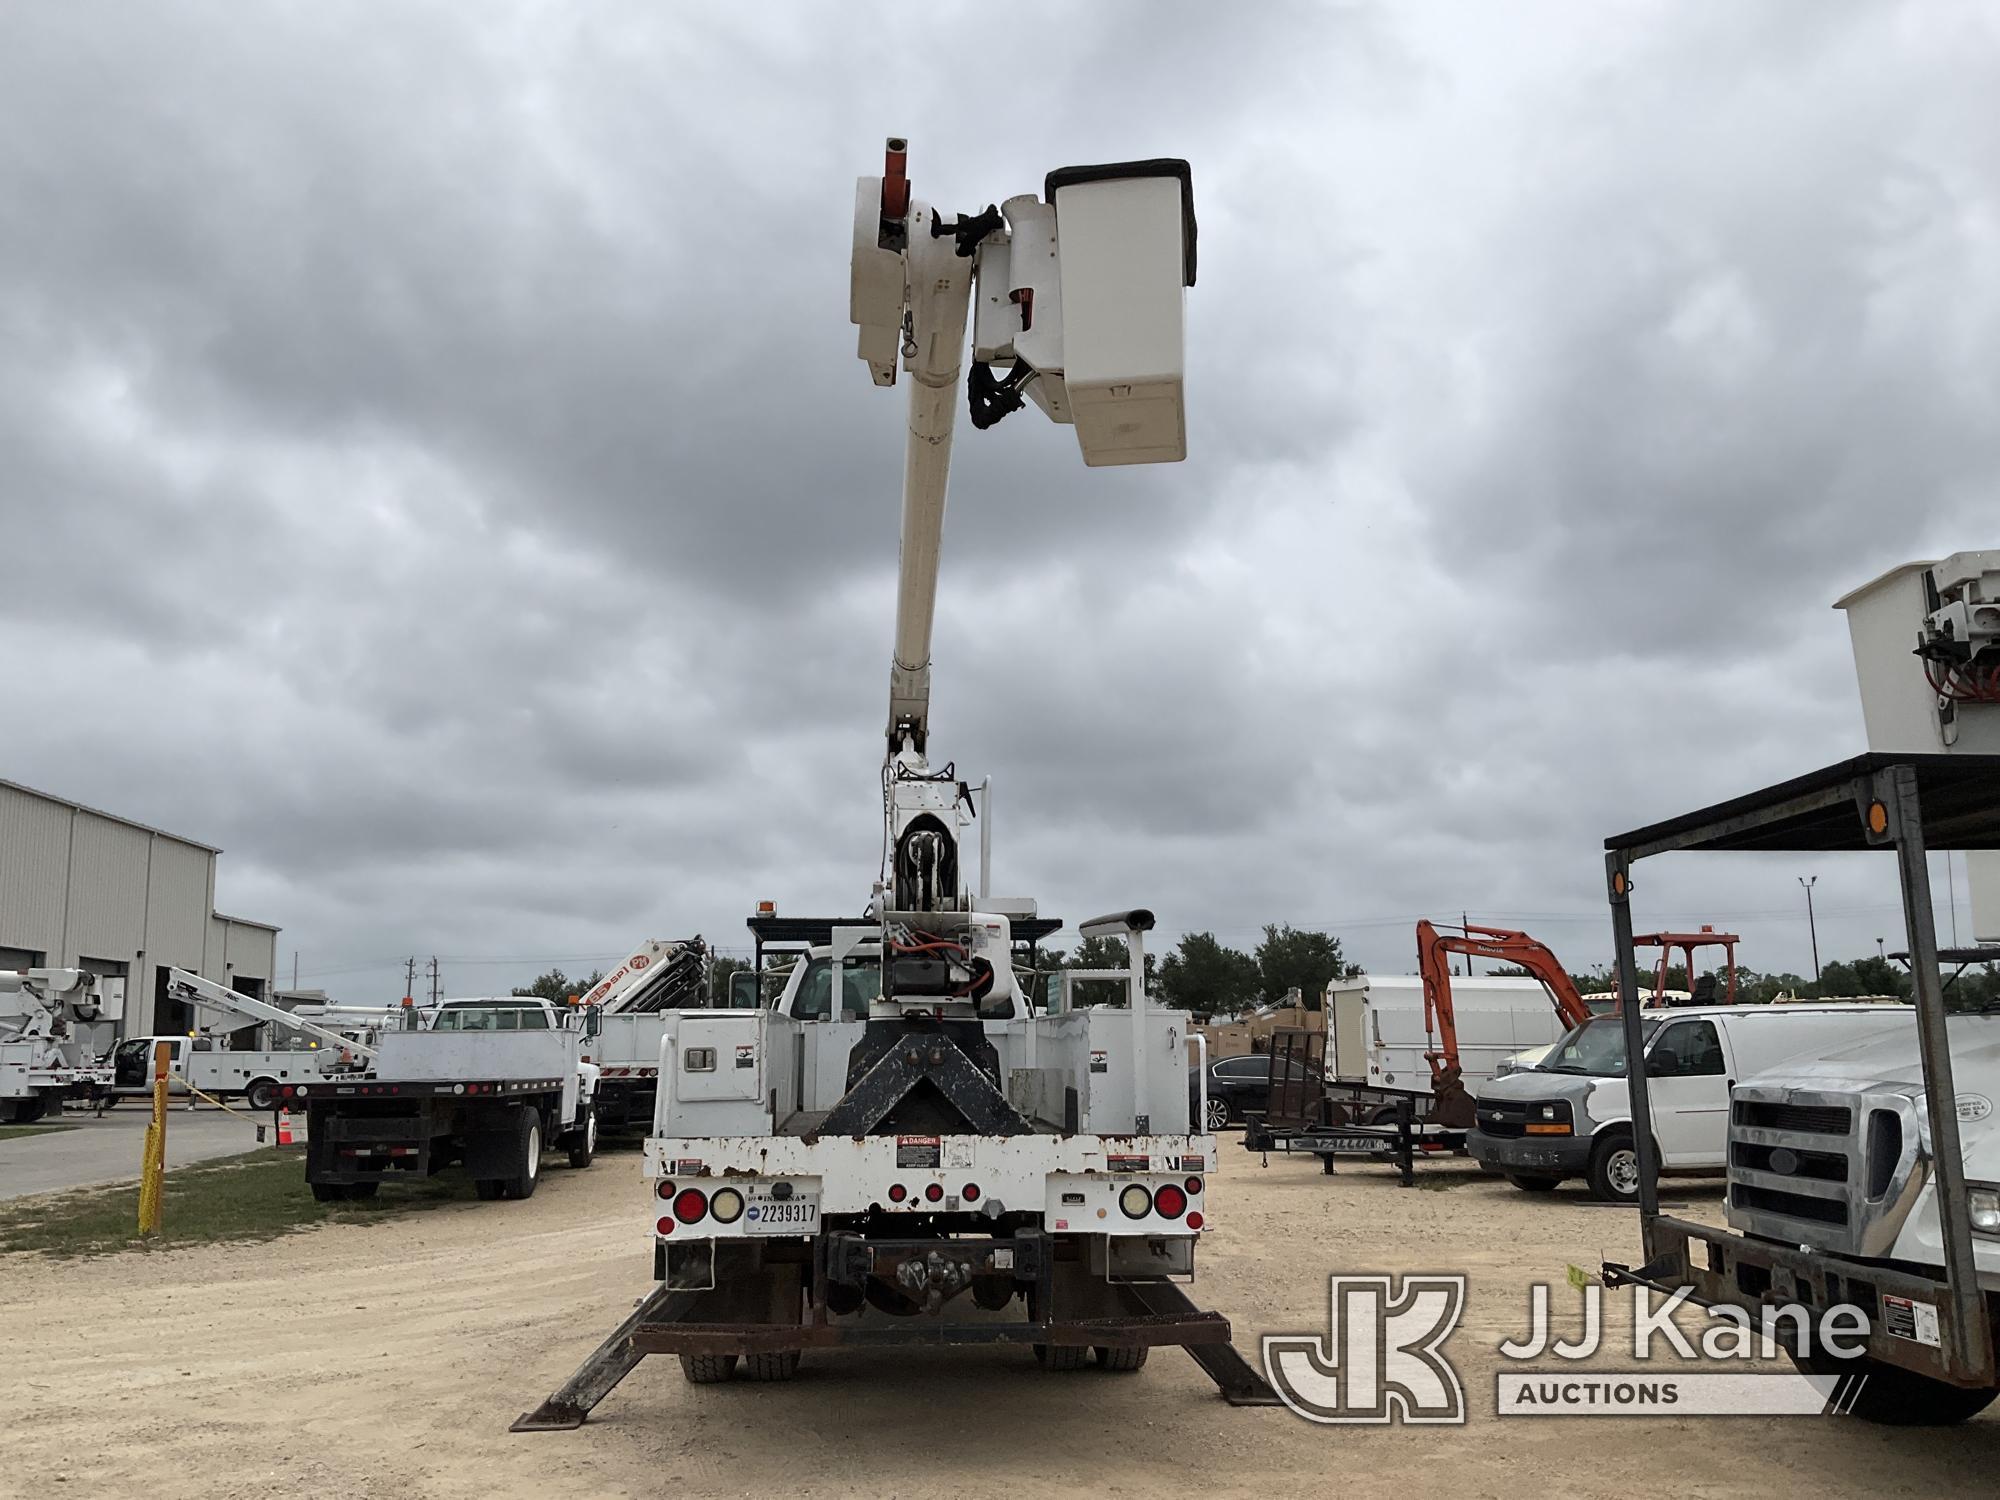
column 285, row 1136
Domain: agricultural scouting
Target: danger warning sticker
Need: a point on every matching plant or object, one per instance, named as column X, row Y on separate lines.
column 919, row 1151
column 1915, row 1321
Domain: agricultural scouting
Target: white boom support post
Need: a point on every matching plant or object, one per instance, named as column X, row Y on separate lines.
column 219, row 1001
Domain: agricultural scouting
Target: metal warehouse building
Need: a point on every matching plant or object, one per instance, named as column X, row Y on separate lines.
column 86, row 889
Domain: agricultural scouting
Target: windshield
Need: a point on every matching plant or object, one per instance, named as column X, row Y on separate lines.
column 491, row 1018
column 860, row 982
column 1596, row 1048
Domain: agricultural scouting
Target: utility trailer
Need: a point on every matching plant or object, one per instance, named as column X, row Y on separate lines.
column 485, row 1088
column 1310, row 1113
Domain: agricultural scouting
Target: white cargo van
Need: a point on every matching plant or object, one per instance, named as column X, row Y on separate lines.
column 1571, row 1117
column 1375, row 1028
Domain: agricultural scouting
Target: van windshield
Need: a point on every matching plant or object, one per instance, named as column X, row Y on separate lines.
column 1595, row 1049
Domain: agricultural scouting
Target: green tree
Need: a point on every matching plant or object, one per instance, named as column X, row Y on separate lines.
column 1202, row 974
column 1295, row 958
column 555, row 986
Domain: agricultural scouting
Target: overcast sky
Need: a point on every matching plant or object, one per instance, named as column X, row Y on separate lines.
column 435, row 468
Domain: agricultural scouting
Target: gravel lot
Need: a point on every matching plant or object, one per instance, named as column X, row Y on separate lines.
column 389, row 1359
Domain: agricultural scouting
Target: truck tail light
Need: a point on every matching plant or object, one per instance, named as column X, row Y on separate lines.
column 690, row 1204
column 1169, row 1202
column 897, row 1192
column 666, row 1191
column 1135, row 1202
column 1193, row 1185
column 970, row 1192
column 665, row 1226
column 934, row 1192
column 1195, row 1221
column 726, row 1207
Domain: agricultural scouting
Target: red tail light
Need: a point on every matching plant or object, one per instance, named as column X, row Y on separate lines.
column 1193, row 1185
column 934, row 1192
column 897, row 1192
column 666, row 1192
column 690, row 1204
column 1194, row 1221
column 970, row 1192
column 665, row 1226
column 1169, row 1202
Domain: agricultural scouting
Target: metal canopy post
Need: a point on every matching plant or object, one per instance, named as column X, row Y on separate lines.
column 1618, row 881
column 1895, row 792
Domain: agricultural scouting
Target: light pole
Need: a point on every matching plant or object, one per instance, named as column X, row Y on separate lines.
column 1811, row 926
column 1881, row 952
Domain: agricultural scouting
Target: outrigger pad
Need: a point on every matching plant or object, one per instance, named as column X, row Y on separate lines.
column 924, row 1078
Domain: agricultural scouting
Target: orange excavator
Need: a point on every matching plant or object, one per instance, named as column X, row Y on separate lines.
column 1453, row 1104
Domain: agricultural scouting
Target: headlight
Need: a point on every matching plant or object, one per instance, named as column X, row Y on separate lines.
column 1983, row 1198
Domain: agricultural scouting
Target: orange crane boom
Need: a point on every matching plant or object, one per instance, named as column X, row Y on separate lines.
column 1503, row 946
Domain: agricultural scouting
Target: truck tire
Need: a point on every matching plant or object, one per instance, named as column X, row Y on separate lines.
column 1614, row 1168
column 489, row 1188
column 583, row 1140
column 1121, row 1361
column 527, row 1156
column 1062, row 1357
column 707, row 1369
column 780, row 1366
column 1895, row 1397
column 30, row 1109
column 1534, row 1182
column 261, row 1095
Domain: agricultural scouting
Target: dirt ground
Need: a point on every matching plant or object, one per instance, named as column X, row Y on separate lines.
column 389, row 1359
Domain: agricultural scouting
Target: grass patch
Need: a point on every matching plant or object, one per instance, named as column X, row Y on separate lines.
column 254, row 1197
column 16, row 1132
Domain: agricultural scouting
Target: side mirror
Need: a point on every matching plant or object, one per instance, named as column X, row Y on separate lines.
column 593, row 1020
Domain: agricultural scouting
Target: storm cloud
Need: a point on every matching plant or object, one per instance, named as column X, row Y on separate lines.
column 433, row 464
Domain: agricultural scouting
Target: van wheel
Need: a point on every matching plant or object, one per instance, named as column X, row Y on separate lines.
column 1533, row 1182
column 261, row 1095
column 583, row 1140
column 707, row 1369
column 1062, row 1357
column 1894, row 1397
column 1121, row 1361
column 1614, row 1168
column 527, row 1156
column 780, row 1366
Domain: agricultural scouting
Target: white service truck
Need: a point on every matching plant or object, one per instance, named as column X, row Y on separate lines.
column 657, row 976
column 46, row 1056
column 925, row 1159
column 1866, row 1176
column 1378, row 1035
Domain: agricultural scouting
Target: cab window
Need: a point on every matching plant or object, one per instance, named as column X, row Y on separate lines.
column 1686, row 1049
column 861, row 984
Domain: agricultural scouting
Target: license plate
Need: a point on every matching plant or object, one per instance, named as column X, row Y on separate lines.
column 798, row 1214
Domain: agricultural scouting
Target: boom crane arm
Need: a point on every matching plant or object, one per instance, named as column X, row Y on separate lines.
column 1503, row 946
column 206, row 997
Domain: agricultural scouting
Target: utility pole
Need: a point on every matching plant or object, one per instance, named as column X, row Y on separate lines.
column 409, row 977
column 295, row 968
column 434, row 980
column 1811, row 926
column 1465, row 926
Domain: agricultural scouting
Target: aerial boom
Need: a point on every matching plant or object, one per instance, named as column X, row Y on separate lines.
column 213, row 1004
